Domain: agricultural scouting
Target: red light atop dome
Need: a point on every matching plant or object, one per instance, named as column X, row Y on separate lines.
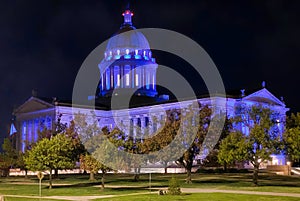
column 127, row 12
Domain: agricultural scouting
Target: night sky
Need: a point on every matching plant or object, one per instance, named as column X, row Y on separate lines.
column 43, row 43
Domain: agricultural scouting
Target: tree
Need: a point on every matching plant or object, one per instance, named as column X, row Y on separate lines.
column 9, row 157
column 232, row 149
column 69, row 132
column 292, row 137
column 109, row 151
column 163, row 138
column 20, row 163
column 203, row 116
column 51, row 154
column 89, row 163
column 256, row 145
column 211, row 159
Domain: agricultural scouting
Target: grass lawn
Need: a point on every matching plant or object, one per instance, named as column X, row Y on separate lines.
column 29, row 199
column 201, row 196
column 78, row 185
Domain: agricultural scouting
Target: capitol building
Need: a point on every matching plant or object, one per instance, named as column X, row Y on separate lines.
column 134, row 68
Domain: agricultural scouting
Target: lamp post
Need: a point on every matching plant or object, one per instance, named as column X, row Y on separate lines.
column 40, row 176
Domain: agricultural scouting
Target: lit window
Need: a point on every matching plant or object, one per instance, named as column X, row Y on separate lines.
column 118, row 52
column 153, row 82
column 136, row 80
column 107, row 79
column 148, row 81
column 144, row 53
column 127, row 79
column 118, row 80
column 127, row 51
column 110, row 53
column 136, row 52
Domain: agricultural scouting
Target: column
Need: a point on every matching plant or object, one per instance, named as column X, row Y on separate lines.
column 135, row 122
column 143, row 126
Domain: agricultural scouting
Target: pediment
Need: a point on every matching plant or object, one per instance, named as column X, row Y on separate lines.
column 264, row 96
column 33, row 104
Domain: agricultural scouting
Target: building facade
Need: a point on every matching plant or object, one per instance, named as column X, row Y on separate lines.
column 133, row 69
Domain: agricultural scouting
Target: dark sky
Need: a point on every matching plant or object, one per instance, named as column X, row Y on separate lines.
column 44, row 42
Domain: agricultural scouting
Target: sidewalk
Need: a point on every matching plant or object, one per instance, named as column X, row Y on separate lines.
column 184, row 190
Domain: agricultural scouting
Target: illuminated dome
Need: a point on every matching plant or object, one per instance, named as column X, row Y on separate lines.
column 128, row 64
column 128, row 40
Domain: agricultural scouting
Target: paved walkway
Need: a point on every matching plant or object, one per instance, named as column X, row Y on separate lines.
column 184, row 190
column 200, row 190
column 77, row 198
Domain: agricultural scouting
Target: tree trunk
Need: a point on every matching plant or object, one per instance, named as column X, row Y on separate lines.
column 189, row 175
column 92, row 176
column 102, row 180
column 136, row 177
column 255, row 174
column 50, row 179
column 26, row 174
column 56, row 173
column 166, row 167
column 225, row 167
column 137, row 174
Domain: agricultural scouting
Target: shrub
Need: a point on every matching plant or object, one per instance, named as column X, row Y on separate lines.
column 174, row 187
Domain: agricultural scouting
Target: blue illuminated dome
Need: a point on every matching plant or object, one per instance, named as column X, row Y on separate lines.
column 132, row 64
column 132, row 40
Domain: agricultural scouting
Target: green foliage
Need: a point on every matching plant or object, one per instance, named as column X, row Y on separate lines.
column 174, row 187
column 232, row 149
column 292, row 137
column 256, row 146
column 89, row 163
column 203, row 118
column 51, row 154
column 9, row 157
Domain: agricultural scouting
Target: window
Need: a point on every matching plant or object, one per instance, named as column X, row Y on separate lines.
column 126, row 72
column 107, row 79
column 24, row 128
column 49, row 123
column 127, row 79
column 116, row 76
column 36, row 127
column 148, row 81
column 102, row 83
column 136, row 80
column 118, row 80
column 29, row 131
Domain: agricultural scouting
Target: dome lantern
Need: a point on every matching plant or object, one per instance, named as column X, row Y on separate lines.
column 127, row 17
